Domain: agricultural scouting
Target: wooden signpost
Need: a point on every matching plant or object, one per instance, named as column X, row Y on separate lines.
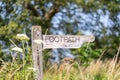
column 40, row 42
column 37, row 52
column 65, row 41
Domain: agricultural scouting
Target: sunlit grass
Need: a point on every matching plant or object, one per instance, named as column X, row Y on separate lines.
column 96, row 70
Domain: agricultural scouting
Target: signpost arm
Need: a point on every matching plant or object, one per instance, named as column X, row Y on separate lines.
column 37, row 52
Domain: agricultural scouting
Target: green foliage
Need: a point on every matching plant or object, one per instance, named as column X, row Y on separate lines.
column 16, row 71
column 100, row 76
column 87, row 53
column 19, row 66
column 17, row 16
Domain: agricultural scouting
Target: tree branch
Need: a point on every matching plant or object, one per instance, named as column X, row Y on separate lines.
column 48, row 15
column 32, row 8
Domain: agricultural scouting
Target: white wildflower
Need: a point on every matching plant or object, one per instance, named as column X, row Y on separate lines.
column 22, row 37
column 17, row 49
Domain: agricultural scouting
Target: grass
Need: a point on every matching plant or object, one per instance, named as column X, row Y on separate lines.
column 96, row 70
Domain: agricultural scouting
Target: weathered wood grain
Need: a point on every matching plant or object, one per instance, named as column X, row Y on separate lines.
column 65, row 41
column 37, row 52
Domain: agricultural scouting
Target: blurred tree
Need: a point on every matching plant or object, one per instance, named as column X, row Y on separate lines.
column 100, row 17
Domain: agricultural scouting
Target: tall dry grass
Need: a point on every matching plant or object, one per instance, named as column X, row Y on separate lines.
column 96, row 70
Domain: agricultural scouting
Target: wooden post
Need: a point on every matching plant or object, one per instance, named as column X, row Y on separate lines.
column 37, row 52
